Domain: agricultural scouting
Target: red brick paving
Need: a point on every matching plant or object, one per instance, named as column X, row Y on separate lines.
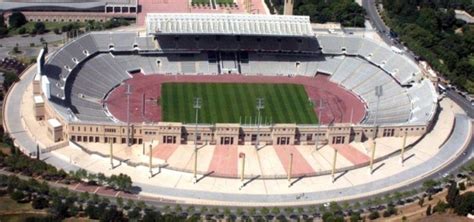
column 352, row 154
column 107, row 191
column 224, row 161
column 128, row 195
column 86, row 188
column 300, row 165
column 164, row 151
column 338, row 103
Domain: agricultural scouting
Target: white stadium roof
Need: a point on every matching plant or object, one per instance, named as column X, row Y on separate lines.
column 227, row 24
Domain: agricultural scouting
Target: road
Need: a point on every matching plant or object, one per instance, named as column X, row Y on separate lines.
column 382, row 29
column 461, row 101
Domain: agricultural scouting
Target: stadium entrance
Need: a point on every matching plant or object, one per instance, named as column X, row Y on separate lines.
column 169, row 139
column 284, row 140
column 227, row 140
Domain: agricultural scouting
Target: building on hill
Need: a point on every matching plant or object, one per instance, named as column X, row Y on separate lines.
column 71, row 10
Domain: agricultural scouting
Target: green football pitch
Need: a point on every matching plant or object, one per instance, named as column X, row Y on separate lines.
column 236, row 102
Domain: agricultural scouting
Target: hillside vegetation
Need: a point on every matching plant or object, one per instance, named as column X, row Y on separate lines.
column 346, row 12
column 430, row 29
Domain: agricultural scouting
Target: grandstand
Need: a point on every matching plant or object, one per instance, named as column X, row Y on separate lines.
column 85, row 71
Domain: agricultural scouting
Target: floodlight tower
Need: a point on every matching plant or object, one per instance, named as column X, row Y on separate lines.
column 260, row 106
column 320, row 107
column 197, row 106
column 378, row 93
column 128, row 93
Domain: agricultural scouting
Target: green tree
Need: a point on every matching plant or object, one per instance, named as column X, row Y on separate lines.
column 39, row 28
column 134, row 214
column 421, row 201
column 275, row 211
column 465, row 204
column 252, row 211
column 428, row 184
column 120, row 202
column 17, row 195
column 22, row 31
column 3, row 31
column 112, row 214
column 453, row 194
column 355, row 217
column 240, row 212
column 440, row 207
column 151, row 216
column 40, row 203
column 264, row 211
column 374, row 215
column 334, row 207
column 16, row 20
column 289, row 210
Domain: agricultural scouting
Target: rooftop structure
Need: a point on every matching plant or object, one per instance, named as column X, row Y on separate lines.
column 227, row 24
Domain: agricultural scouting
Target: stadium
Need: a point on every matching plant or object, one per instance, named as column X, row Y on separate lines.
column 237, row 110
column 325, row 88
column 226, row 105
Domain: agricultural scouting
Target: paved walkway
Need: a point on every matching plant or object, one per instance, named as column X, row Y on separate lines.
column 224, row 161
column 352, row 154
column 164, row 151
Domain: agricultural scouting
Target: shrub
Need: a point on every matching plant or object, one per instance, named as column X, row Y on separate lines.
column 374, row 215
column 17, row 195
column 39, row 28
column 440, row 207
column 462, row 186
column 22, row 30
column 40, row 203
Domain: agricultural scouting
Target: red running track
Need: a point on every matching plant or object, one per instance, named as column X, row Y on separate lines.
column 300, row 165
column 352, row 154
column 164, row 151
column 224, row 161
column 338, row 104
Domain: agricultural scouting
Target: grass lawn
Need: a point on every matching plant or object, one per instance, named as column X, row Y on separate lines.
column 9, row 205
column 232, row 102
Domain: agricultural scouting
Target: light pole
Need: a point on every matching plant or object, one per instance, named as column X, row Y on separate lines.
column 333, row 171
column 150, row 163
column 128, row 93
column 111, row 155
column 290, row 169
column 197, row 106
column 260, row 106
column 374, row 146
column 378, row 93
column 320, row 107
column 242, row 156
column 402, row 154
column 38, row 152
